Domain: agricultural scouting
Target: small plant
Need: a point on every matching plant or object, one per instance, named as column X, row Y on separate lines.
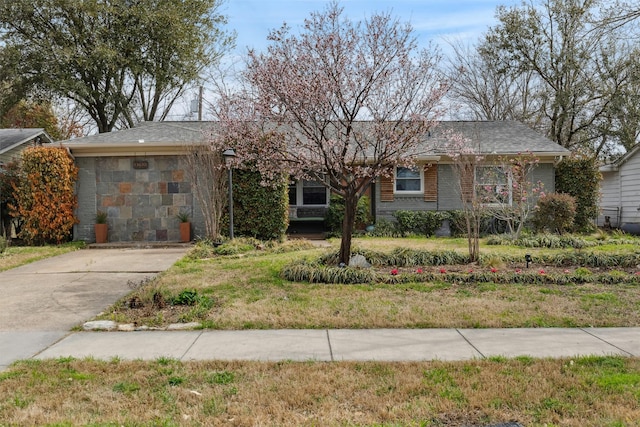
column 101, row 217
column 183, row 216
column 3, row 244
column 186, row 297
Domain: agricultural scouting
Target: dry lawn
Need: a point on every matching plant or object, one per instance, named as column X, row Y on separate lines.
column 594, row 391
column 15, row 256
column 247, row 292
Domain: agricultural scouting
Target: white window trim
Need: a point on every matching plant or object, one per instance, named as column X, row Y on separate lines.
column 300, row 196
column 411, row 193
column 509, row 185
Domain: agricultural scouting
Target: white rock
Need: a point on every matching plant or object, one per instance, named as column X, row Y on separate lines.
column 100, row 325
column 181, row 326
column 359, row 261
column 127, row 327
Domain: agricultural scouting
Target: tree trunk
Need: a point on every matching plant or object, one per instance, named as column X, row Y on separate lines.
column 350, row 206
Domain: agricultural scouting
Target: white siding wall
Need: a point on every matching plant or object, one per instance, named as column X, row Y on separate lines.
column 630, row 189
column 609, row 198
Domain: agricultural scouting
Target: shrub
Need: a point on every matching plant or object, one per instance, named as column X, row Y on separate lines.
column 419, row 222
column 260, row 211
column 580, row 178
column 335, row 214
column 3, row 244
column 385, row 228
column 554, row 212
column 45, row 195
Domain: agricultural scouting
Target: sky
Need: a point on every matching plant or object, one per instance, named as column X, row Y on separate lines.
column 432, row 20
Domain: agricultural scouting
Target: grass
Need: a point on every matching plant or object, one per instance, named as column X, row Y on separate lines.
column 15, row 256
column 592, row 391
column 246, row 291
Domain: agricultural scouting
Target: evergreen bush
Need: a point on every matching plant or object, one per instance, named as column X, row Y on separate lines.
column 554, row 212
column 580, row 178
column 260, row 211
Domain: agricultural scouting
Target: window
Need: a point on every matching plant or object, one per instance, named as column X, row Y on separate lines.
column 408, row 180
column 492, row 185
column 304, row 193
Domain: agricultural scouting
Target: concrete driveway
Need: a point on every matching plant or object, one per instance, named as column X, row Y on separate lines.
column 40, row 302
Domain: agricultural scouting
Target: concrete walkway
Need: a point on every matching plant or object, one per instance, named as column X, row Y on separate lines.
column 354, row 345
column 42, row 301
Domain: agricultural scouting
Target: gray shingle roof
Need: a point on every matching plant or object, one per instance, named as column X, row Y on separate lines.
column 501, row 137
column 489, row 137
column 10, row 138
column 169, row 133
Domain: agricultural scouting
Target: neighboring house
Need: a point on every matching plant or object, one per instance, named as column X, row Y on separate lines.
column 620, row 190
column 138, row 176
column 14, row 141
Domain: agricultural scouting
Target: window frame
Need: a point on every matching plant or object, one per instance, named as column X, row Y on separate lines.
column 299, row 186
column 419, row 170
column 507, row 183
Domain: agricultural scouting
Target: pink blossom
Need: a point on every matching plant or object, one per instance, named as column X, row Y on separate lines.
column 518, row 270
column 419, row 271
column 394, row 272
column 637, row 273
column 494, row 270
column 567, row 271
column 542, row 271
column 470, row 271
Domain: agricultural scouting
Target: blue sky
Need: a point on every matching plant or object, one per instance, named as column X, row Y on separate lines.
column 435, row 20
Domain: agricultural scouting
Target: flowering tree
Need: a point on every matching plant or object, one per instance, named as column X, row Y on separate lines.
column 512, row 196
column 342, row 103
column 465, row 158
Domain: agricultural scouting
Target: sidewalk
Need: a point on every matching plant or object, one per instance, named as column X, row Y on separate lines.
column 349, row 345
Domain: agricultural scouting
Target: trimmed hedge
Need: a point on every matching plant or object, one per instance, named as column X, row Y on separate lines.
column 259, row 211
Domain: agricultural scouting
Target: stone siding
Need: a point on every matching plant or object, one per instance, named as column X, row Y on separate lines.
column 141, row 204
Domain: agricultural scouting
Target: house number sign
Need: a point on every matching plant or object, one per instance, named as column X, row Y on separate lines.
column 140, row 164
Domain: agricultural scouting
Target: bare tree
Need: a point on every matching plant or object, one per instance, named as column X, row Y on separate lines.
column 486, row 92
column 205, row 169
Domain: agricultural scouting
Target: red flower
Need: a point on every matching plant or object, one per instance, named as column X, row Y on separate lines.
column 419, row 271
column 518, row 270
column 470, row 271
column 542, row 271
column 442, row 270
column 494, row 270
column 394, row 272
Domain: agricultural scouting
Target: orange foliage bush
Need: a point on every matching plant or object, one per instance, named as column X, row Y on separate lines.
column 45, row 196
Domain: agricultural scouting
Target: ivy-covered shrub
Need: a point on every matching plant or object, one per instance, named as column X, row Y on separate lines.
column 335, row 214
column 45, row 197
column 580, row 178
column 259, row 211
column 554, row 212
column 419, row 222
